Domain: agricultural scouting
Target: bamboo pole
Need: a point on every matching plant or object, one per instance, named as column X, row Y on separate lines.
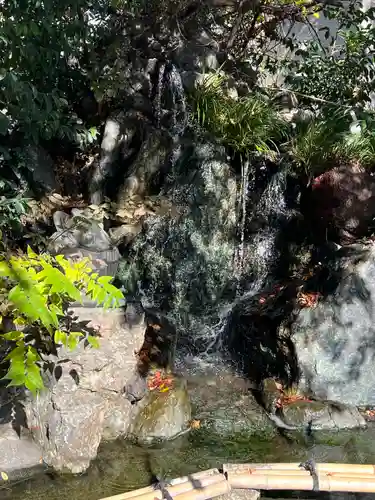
column 356, row 478
column 324, row 467
column 178, row 486
column 212, row 491
column 301, row 482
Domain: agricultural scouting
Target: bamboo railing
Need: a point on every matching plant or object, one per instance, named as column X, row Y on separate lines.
column 354, row 478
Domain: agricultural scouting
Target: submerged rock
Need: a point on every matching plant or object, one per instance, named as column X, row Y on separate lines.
column 334, row 341
column 84, row 402
column 163, row 415
column 321, row 415
column 224, row 405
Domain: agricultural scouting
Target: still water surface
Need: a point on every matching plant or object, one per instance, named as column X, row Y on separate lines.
column 120, row 466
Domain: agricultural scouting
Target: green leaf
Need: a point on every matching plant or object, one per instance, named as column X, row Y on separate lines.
column 31, row 253
column 13, row 335
column 72, row 342
column 93, row 341
column 33, row 380
column 59, row 282
column 60, row 337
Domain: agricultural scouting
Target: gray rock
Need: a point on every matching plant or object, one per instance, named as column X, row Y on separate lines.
column 162, row 415
column 190, row 258
column 119, row 131
column 125, row 233
column 199, row 53
column 238, row 494
column 335, row 340
column 79, row 236
column 150, row 160
column 17, row 452
column 84, row 402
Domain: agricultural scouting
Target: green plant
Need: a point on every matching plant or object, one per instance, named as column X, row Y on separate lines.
column 337, row 67
column 247, row 125
column 11, row 211
column 35, row 292
column 44, row 48
column 330, row 139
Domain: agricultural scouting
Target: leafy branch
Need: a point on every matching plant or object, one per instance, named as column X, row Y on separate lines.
column 35, row 292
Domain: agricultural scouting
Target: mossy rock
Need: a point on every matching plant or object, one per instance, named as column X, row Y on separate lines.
column 163, row 415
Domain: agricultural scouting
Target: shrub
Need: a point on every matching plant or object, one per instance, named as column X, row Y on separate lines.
column 247, row 125
column 35, row 293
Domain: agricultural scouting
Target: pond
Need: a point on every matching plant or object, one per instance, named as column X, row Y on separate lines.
column 121, row 466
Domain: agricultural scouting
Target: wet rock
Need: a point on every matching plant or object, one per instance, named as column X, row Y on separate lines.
column 270, row 394
column 84, row 402
column 189, row 258
column 224, row 405
column 256, row 339
column 341, row 204
column 163, row 415
column 320, row 415
column 334, row 341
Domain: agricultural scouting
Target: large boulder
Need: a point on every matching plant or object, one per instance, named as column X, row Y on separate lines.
column 223, row 405
column 84, row 402
column 322, row 415
column 341, row 203
column 184, row 259
column 334, row 341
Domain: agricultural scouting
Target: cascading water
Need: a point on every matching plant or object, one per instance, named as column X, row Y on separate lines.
column 239, row 260
column 197, row 266
column 170, row 84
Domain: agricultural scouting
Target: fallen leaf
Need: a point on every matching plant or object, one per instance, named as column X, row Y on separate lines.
column 4, row 476
column 195, row 424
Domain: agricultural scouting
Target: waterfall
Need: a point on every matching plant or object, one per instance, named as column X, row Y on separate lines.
column 239, row 258
column 159, row 92
column 170, row 84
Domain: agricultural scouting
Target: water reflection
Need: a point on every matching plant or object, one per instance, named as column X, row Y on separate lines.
column 121, row 466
